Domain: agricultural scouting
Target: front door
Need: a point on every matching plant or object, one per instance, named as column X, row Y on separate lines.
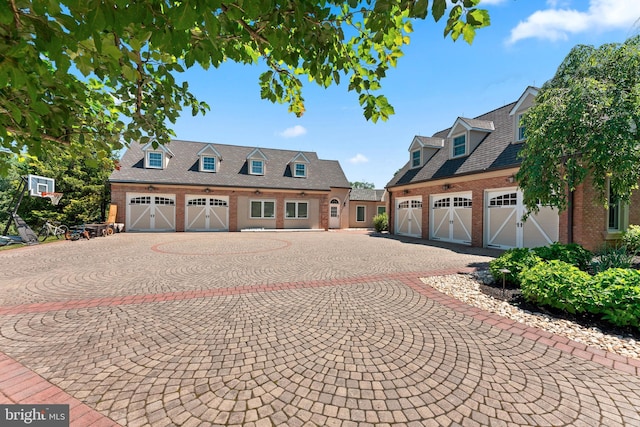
column 409, row 216
column 334, row 213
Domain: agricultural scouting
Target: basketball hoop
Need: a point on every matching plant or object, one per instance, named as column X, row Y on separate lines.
column 54, row 197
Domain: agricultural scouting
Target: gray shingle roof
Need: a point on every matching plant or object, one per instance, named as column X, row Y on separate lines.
column 366, row 195
column 183, row 168
column 496, row 151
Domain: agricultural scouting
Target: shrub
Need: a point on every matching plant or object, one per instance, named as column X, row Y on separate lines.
column 617, row 296
column 381, row 222
column 571, row 253
column 514, row 260
column 631, row 239
column 557, row 284
column 611, row 257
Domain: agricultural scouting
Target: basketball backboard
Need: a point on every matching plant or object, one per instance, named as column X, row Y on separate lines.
column 40, row 184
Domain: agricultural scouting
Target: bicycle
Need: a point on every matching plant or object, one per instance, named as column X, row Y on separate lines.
column 50, row 229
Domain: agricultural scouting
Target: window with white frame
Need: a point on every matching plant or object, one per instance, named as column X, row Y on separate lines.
column 459, row 146
column 207, row 163
column 300, row 170
column 263, row 209
column 154, row 159
column 256, row 167
column 614, row 219
column 296, row 210
column 415, row 158
column 361, row 212
column 521, row 127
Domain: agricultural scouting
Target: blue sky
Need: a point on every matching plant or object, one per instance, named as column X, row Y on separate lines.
column 434, row 83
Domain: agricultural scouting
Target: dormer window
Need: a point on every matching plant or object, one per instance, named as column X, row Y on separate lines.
column 208, row 164
column 300, row 170
column 459, row 146
column 521, row 128
column 415, row 158
column 257, row 167
column 154, row 159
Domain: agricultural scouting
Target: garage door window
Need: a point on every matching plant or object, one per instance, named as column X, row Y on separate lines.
column 510, row 199
column 142, row 200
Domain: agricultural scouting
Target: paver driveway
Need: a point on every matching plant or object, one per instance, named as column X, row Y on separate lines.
column 283, row 329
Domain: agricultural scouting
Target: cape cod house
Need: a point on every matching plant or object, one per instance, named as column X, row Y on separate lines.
column 195, row 186
column 458, row 186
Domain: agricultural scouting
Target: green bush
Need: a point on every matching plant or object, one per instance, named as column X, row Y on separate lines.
column 571, row 253
column 617, row 296
column 557, row 284
column 611, row 257
column 381, row 222
column 514, row 260
column 631, row 239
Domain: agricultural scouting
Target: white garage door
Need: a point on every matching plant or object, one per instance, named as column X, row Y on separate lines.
column 450, row 219
column 409, row 216
column 207, row 213
column 505, row 229
column 151, row 212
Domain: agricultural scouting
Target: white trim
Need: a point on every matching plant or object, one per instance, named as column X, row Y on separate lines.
column 466, row 145
column 262, row 202
column 215, row 164
column 147, row 160
column 262, row 162
column 297, row 203
column 295, row 170
column 530, row 91
column 257, row 154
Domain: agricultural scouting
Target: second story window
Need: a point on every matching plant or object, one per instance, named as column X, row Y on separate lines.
column 208, row 164
column 154, row 160
column 459, row 146
column 521, row 128
column 257, row 167
column 415, row 158
column 300, row 170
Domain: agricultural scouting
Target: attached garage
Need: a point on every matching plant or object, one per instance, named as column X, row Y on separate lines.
column 450, row 218
column 505, row 228
column 151, row 212
column 207, row 213
column 409, row 216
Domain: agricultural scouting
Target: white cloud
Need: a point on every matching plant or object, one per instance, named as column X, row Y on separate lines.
column 297, row 130
column 557, row 24
column 358, row 158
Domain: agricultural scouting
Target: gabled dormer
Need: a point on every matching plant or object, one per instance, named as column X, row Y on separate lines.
column 156, row 158
column 257, row 162
column 299, row 166
column 209, row 159
column 466, row 134
column 423, row 148
column 522, row 105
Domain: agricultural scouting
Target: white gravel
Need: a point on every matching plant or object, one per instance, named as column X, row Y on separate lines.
column 466, row 288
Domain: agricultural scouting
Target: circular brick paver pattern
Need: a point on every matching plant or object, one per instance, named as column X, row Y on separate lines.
column 285, row 329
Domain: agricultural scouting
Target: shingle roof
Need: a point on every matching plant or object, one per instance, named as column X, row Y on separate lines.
column 183, row 168
column 496, row 151
column 366, row 195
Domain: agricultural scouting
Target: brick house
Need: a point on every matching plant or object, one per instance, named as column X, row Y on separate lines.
column 364, row 205
column 194, row 186
column 458, row 186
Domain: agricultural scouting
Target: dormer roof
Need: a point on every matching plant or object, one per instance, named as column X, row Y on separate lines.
column 529, row 91
column 426, row 141
column 299, row 158
column 209, row 150
column 257, row 154
column 149, row 146
column 472, row 124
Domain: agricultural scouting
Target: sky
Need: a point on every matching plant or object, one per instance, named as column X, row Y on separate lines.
column 435, row 82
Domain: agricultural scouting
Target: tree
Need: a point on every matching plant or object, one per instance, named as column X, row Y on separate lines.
column 585, row 122
column 363, row 184
column 104, row 71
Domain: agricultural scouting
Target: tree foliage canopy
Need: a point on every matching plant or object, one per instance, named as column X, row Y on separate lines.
column 363, row 184
column 585, row 122
column 105, row 70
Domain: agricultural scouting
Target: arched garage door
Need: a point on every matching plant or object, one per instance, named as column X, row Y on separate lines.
column 504, row 227
column 409, row 216
column 151, row 212
column 450, row 218
column 207, row 213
